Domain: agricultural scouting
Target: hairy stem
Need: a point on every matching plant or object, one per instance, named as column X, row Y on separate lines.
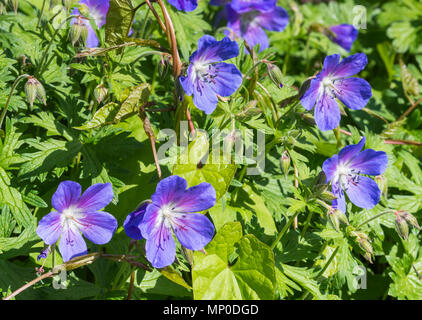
column 3, row 114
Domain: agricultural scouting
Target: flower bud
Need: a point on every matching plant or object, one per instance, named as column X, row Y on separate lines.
column 327, row 195
column 84, row 10
column 100, row 92
column 333, row 220
column 382, row 185
column 163, row 67
column 275, row 74
column 285, row 163
column 402, row 227
column 410, row 219
column 1, row 8
column 180, row 92
column 67, row 4
column 336, row 216
column 78, row 31
column 15, row 5
column 366, row 246
column 34, row 89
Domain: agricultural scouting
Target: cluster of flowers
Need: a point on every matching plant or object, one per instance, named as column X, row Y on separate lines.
column 174, row 206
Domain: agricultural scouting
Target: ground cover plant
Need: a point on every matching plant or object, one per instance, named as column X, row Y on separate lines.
column 222, row 149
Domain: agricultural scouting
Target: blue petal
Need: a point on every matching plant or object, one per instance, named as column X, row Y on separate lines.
column 274, row 20
column 185, row 5
column 349, row 152
column 340, row 202
column 370, row 162
column 98, row 227
column 67, row 194
column 210, row 50
column 50, row 228
column 247, row 5
column 364, row 193
column 169, row 190
column 228, row 79
column 96, row 197
column 327, row 113
column 197, row 198
column 311, row 95
column 160, row 246
column 133, row 221
column 193, row 230
column 329, row 167
column 353, row 92
column 72, row 244
column 350, row 66
column 330, row 63
column 345, row 35
column 204, row 98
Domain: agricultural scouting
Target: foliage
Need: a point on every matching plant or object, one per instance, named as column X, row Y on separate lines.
column 273, row 238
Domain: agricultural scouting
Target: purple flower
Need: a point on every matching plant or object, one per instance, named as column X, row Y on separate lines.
column 345, row 35
column 185, row 5
column 208, row 77
column 219, row 2
column 76, row 214
column 98, row 11
column 334, row 82
column 133, row 221
column 171, row 209
column 248, row 19
column 345, row 173
column 44, row 253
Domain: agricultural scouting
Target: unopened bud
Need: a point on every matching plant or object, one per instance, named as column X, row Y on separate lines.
column 410, row 218
column 327, row 195
column 84, row 10
column 67, row 4
column 34, row 89
column 336, row 216
column 368, row 257
column 100, row 92
column 78, row 31
column 1, row 8
column 382, row 185
column 285, row 163
column 15, row 5
column 365, row 246
column 229, row 141
column 333, row 220
column 275, row 74
column 402, row 227
column 163, row 67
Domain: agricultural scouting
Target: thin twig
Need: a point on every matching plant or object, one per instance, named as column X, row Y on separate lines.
column 411, row 108
column 30, row 284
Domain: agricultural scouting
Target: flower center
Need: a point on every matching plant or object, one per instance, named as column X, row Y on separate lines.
column 69, row 215
column 205, row 72
column 346, row 176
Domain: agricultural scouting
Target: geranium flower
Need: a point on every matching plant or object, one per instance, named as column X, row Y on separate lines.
column 334, row 82
column 98, row 11
column 248, row 19
column 345, row 173
column 185, row 5
column 172, row 208
column 345, row 35
column 133, row 221
column 76, row 214
column 208, row 77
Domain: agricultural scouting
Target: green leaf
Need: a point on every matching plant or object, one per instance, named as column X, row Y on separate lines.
column 105, row 115
column 118, row 21
column 190, row 166
column 251, row 277
column 138, row 96
column 13, row 199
